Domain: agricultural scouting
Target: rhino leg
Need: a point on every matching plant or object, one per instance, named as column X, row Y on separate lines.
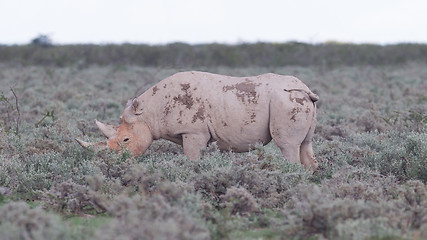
column 193, row 143
column 307, row 156
column 290, row 151
column 306, row 152
column 288, row 140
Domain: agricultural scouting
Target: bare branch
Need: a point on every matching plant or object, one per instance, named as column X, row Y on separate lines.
column 18, row 121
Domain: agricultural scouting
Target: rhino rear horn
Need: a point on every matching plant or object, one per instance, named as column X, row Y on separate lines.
column 108, row 130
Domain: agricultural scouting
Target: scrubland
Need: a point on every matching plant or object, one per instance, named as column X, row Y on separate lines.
column 371, row 143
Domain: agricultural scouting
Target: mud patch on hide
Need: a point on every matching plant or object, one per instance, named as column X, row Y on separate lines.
column 200, row 114
column 186, row 99
column 155, row 89
column 253, row 116
column 293, row 118
column 245, row 91
column 294, row 113
column 301, row 100
column 185, row 86
column 296, row 99
column 167, row 110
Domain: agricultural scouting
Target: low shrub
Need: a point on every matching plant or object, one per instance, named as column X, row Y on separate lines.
column 347, row 202
column 402, row 154
column 72, row 198
column 239, row 201
column 152, row 218
column 19, row 221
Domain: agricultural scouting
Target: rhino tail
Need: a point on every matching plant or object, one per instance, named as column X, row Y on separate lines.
column 314, row 97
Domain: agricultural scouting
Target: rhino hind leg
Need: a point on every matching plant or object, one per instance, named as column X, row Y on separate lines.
column 306, row 152
column 288, row 139
column 307, row 156
column 290, row 151
column 290, row 125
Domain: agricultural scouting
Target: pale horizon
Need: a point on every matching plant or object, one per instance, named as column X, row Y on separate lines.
column 203, row 22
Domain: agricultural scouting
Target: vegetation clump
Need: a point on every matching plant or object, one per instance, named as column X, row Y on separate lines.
column 19, row 221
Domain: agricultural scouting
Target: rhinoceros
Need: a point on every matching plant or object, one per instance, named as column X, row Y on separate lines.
column 194, row 109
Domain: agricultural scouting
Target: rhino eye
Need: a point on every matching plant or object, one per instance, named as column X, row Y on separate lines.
column 126, row 139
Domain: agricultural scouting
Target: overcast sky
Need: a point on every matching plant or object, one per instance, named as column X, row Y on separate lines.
column 223, row 21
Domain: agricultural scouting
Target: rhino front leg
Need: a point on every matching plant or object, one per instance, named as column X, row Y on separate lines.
column 193, row 143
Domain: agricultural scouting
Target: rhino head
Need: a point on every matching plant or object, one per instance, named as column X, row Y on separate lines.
column 132, row 134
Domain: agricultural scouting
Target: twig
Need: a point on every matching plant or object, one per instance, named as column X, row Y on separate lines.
column 18, row 122
column 4, row 99
column 48, row 114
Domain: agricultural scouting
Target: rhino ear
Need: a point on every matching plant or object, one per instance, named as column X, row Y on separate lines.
column 137, row 107
column 129, row 102
column 108, row 130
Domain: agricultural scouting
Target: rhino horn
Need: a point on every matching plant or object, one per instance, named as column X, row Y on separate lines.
column 98, row 146
column 108, row 130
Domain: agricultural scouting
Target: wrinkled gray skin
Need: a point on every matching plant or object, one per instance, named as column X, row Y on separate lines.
column 195, row 108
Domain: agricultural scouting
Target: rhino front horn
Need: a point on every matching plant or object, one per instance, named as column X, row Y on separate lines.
column 108, row 130
column 98, row 146
column 83, row 143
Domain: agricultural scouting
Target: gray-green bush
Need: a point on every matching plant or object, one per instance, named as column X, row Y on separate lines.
column 19, row 221
column 370, row 142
